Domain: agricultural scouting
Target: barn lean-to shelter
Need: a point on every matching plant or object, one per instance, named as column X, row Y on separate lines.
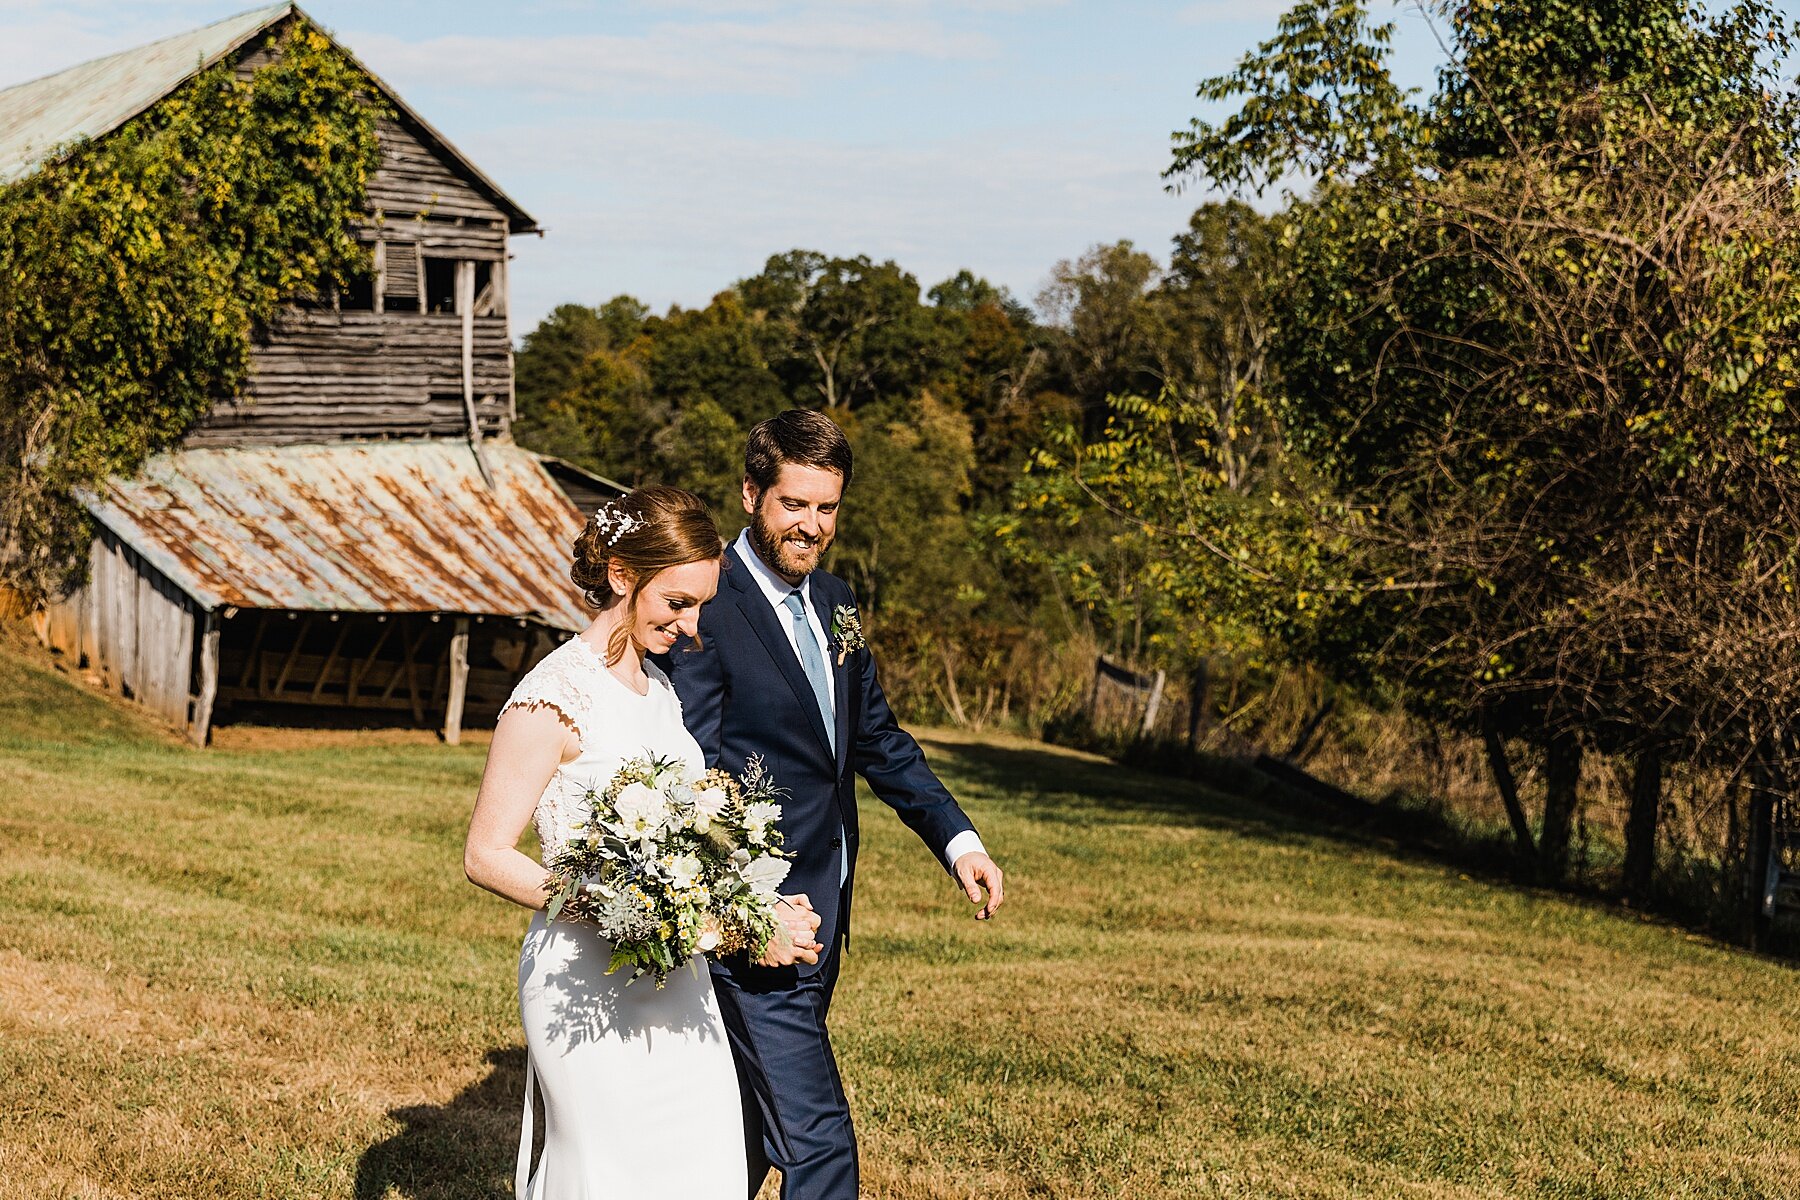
column 357, row 531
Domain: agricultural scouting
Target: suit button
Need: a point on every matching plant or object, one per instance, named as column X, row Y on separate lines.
column 837, row 843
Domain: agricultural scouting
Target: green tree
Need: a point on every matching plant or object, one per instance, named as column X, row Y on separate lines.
column 549, row 371
column 1519, row 332
column 1100, row 305
column 1213, row 328
column 844, row 331
column 999, row 377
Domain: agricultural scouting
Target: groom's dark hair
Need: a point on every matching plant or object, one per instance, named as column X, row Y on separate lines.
column 799, row 436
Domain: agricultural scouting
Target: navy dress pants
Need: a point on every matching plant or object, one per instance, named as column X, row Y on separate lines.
column 796, row 1117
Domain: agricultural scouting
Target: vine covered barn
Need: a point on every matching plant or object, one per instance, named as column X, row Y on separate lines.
column 357, row 530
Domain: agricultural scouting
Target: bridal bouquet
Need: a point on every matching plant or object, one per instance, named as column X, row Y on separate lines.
column 670, row 864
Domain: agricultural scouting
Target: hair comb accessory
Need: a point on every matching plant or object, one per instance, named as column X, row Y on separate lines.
column 613, row 522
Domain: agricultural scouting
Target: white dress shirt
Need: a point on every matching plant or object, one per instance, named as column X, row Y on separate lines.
column 776, row 590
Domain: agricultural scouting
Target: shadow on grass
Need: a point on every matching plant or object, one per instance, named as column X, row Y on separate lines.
column 1059, row 787
column 1176, row 786
column 460, row 1150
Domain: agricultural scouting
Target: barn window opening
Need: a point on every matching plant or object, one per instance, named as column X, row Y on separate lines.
column 440, row 285
column 357, row 294
column 322, row 295
column 487, row 290
column 402, row 278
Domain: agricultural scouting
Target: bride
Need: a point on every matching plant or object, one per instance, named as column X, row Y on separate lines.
column 640, row 1092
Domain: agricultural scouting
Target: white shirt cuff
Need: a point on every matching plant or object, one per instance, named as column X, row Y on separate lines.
column 963, row 843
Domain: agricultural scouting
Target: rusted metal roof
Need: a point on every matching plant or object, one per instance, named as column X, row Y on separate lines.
column 40, row 117
column 358, row 527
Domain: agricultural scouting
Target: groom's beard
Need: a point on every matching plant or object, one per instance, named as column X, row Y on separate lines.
column 791, row 553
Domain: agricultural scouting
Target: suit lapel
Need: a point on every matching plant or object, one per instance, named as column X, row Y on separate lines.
column 761, row 615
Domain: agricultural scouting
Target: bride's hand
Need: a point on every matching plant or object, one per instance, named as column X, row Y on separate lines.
column 794, row 940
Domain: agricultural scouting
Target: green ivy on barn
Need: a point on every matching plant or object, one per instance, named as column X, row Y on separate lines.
column 136, row 269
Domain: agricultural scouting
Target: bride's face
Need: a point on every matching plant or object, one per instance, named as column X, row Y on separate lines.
column 669, row 606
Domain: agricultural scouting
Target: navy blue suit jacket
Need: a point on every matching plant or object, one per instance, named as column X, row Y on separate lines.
column 743, row 693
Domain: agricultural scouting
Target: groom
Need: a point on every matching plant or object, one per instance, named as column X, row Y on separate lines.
column 780, row 670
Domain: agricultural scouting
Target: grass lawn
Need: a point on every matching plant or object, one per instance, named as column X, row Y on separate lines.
column 256, row 971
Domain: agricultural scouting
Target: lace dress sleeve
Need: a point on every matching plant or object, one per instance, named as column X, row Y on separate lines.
column 556, row 685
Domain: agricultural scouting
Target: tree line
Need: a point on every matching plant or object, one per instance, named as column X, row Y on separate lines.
column 1474, row 405
column 946, row 393
column 1470, row 410
column 1529, row 466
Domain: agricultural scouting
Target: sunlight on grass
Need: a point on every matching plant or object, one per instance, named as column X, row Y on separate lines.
column 259, row 972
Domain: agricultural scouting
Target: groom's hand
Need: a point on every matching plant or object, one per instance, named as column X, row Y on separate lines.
column 794, row 940
column 976, row 871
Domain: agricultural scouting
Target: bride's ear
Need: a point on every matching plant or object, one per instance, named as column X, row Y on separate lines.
column 619, row 577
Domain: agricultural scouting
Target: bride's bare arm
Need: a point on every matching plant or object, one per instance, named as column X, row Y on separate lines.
column 528, row 744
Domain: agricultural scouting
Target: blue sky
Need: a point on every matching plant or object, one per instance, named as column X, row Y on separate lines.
column 668, row 148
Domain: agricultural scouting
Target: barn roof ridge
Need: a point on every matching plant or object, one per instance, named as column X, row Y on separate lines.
column 92, row 99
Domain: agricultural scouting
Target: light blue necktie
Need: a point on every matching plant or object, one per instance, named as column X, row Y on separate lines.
column 814, row 664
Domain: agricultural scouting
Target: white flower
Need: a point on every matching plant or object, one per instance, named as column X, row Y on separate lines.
column 710, row 802
column 765, row 875
column 684, row 872
column 709, row 939
column 641, row 809
column 757, row 819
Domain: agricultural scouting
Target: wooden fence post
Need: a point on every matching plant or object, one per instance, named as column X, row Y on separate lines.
column 459, row 682
column 1154, row 705
column 1197, row 683
column 201, row 724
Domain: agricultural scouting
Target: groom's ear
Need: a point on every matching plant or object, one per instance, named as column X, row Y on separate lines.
column 752, row 494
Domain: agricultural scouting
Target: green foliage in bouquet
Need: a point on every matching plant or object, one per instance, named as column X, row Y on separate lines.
column 669, row 865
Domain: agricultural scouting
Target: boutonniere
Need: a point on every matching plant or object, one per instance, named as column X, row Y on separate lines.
column 846, row 631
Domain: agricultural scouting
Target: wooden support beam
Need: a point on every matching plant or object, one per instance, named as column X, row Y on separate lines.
column 286, row 667
column 465, row 307
column 503, row 271
column 200, row 725
column 256, row 640
column 362, row 669
column 1153, row 706
column 380, row 273
column 412, row 677
column 337, row 646
column 459, row 682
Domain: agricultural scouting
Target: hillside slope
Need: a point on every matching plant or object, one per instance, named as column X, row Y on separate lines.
column 259, row 972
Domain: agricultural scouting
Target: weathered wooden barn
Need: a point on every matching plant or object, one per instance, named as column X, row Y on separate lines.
column 358, row 531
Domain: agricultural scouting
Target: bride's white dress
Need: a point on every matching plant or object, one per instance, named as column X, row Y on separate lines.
column 640, row 1094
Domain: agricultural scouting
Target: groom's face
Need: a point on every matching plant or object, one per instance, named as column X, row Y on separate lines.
column 793, row 523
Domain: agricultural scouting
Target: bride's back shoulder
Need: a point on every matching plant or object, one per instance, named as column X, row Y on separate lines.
column 559, row 680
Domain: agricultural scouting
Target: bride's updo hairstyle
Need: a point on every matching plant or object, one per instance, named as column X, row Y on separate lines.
column 645, row 531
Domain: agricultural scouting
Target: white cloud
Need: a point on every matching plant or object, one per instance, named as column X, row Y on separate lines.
column 718, row 57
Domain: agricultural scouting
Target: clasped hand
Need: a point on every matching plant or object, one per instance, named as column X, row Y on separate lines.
column 795, row 936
